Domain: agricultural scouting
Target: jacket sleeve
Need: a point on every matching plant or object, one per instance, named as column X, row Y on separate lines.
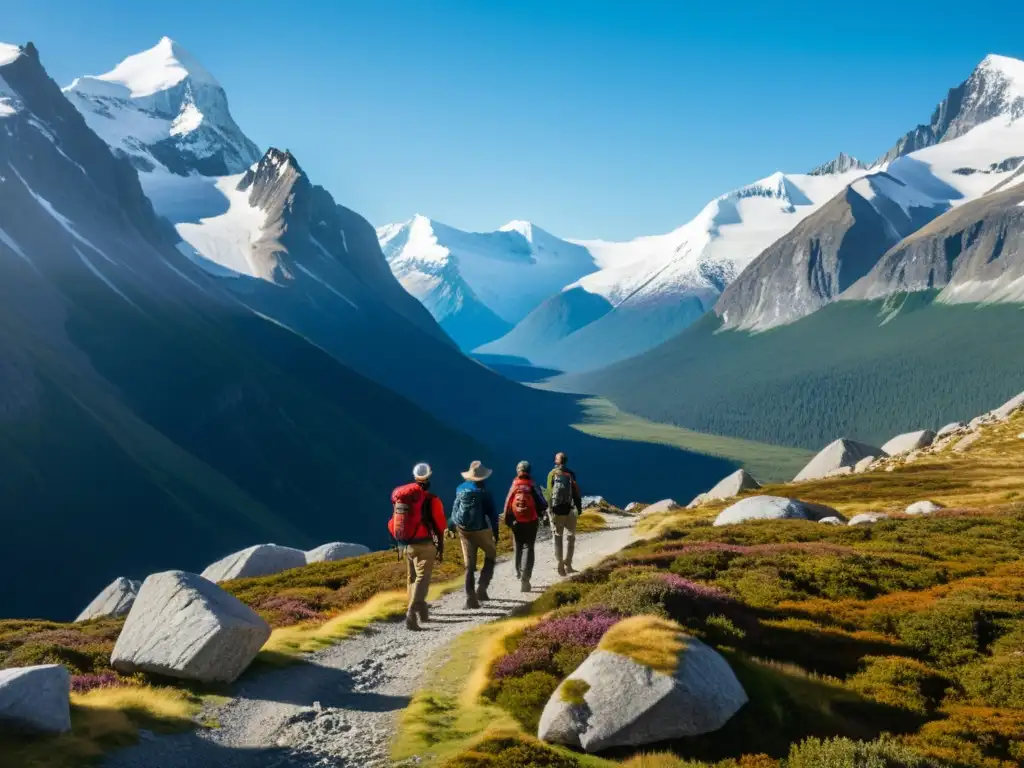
column 491, row 513
column 577, row 497
column 437, row 512
column 542, row 503
column 508, row 500
column 551, row 482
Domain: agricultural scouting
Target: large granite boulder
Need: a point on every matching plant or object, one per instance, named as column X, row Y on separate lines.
column 261, row 560
column 839, row 453
column 1010, row 407
column 868, row 518
column 832, row 520
column 727, row 487
column 864, row 464
column 184, row 626
column 36, row 699
column 909, row 441
column 617, row 699
column 923, row 508
column 665, row 505
column 336, row 550
column 591, row 501
column 773, row 508
column 115, row 600
column 949, row 429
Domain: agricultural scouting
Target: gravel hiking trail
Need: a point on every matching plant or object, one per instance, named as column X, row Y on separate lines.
column 338, row 707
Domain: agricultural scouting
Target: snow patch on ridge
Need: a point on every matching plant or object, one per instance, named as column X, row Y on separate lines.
column 161, row 67
column 8, row 53
column 227, row 239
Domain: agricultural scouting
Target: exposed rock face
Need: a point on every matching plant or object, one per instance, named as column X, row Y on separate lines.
column 592, row 501
column 631, row 506
column 336, row 550
column 909, row 441
column 841, row 163
column 923, row 508
column 629, row 704
column 773, row 508
column 727, row 487
column 986, row 94
column 186, row 627
column 867, row 518
column 116, row 600
column 825, row 254
column 840, row 453
column 954, row 426
column 36, row 698
column 260, row 560
column 665, row 505
column 973, row 253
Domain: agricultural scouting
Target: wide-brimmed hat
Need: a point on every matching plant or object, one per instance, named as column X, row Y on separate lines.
column 477, row 472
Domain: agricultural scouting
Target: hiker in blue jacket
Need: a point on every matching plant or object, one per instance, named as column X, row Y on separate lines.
column 475, row 517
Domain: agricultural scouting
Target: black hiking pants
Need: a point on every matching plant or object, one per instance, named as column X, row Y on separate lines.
column 525, row 535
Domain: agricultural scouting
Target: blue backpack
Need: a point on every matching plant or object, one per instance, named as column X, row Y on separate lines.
column 468, row 509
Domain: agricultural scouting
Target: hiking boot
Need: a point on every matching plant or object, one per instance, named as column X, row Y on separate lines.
column 570, row 569
column 561, row 569
column 422, row 612
column 481, row 594
column 472, row 603
column 410, row 621
column 524, row 586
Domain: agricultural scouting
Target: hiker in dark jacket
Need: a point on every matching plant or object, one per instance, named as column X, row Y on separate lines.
column 566, row 503
column 524, row 506
column 418, row 525
column 475, row 517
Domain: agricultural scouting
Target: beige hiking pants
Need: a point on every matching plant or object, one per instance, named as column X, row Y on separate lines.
column 564, row 525
column 420, row 560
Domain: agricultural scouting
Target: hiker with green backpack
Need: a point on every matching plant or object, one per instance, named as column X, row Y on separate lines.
column 524, row 507
column 476, row 519
column 563, row 496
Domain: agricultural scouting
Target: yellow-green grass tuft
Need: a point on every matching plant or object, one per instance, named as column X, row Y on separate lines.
column 649, row 640
column 573, row 692
column 590, row 522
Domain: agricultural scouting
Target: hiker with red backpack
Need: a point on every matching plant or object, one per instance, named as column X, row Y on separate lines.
column 417, row 526
column 524, row 507
column 564, row 496
column 476, row 519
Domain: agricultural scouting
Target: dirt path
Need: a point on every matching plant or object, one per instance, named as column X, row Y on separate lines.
column 338, row 708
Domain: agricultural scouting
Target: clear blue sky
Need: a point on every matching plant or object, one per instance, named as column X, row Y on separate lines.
column 592, row 119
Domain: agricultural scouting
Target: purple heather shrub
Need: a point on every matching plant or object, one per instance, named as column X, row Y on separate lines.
column 585, row 628
column 526, row 658
column 67, row 638
column 288, row 610
column 85, row 683
column 692, row 588
column 538, row 645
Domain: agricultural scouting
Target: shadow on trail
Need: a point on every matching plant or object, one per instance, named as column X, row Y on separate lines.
column 333, row 688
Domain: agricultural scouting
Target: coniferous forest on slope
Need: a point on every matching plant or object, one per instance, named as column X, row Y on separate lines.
column 867, row 370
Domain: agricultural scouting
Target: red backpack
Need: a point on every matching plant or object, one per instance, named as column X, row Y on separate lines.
column 524, row 505
column 407, row 514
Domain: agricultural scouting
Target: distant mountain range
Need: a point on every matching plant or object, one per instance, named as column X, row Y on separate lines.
column 781, row 248
column 202, row 349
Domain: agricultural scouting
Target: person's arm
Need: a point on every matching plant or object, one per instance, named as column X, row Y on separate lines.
column 551, row 484
column 437, row 513
column 542, row 503
column 491, row 512
column 577, row 497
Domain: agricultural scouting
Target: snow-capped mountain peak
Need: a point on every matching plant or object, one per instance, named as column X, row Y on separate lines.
column 164, row 111
column 524, row 228
column 161, row 67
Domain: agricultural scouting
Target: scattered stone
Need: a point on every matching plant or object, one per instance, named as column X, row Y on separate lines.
column 665, row 505
column 831, row 520
column 912, row 457
column 967, row 441
column 773, row 508
column 953, row 426
column 184, row 626
column 840, row 471
column 1010, row 407
column 867, row 518
column 336, row 550
column 115, row 600
column 839, row 453
column 699, row 499
column 909, row 441
column 978, row 421
column 36, row 698
column 261, row 560
column 631, row 506
column 864, row 464
column 592, row 501
column 923, row 508
column 1020, row 436
column 727, row 487
column 629, row 704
